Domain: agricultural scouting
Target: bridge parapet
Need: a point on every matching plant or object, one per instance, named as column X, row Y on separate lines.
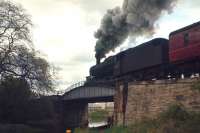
column 89, row 83
column 90, row 94
column 73, row 86
column 76, row 85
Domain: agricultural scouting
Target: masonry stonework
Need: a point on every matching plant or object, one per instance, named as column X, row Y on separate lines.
column 148, row 99
column 118, row 104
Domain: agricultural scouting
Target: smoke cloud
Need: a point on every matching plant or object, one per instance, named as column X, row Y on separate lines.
column 134, row 18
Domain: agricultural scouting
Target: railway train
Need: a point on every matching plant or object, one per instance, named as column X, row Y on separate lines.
column 158, row 58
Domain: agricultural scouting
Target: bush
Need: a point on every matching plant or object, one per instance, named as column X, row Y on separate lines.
column 19, row 128
column 175, row 112
column 196, row 86
column 174, row 120
column 41, row 109
column 14, row 98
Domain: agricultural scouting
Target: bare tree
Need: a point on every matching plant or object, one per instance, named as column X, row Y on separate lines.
column 17, row 55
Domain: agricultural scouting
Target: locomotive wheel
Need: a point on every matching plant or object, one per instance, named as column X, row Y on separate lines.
column 175, row 73
column 139, row 77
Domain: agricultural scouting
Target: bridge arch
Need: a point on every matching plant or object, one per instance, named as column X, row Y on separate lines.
column 75, row 101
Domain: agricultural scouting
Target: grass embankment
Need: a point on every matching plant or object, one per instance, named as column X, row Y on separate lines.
column 175, row 120
column 118, row 129
column 98, row 115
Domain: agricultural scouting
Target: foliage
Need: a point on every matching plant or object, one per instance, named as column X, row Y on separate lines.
column 14, row 98
column 175, row 112
column 40, row 109
column 18, row 106
column 118, row 129
column 80, row 130
column 98, row 115
column 17, row 55
column 145, row 126
column 41, row 113
column 23, row 72
column 174, row 120
column 196, row 86
column 19, row 128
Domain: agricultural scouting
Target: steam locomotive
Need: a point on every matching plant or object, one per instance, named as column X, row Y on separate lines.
column 157, row 58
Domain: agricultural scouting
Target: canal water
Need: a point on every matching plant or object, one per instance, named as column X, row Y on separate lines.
column 97, row 124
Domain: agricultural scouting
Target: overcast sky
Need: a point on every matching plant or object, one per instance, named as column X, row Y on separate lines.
column 64, row 31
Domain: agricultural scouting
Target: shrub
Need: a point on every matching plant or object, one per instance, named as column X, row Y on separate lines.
column 174, row 120
column 196, row 86
column 19, row 128
column 174, row 112
column 14, row 97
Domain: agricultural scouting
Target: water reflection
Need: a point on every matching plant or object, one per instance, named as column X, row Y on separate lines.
column 97, row 124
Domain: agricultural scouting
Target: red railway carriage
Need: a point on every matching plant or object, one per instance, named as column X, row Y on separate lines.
column 184, row 44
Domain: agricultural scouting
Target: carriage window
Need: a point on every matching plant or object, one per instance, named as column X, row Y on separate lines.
column 186, row 39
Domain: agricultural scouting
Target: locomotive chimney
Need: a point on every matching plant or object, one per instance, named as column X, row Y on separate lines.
column 98, row 60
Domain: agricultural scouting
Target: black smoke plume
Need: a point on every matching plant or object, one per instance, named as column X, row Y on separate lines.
column 135, row 18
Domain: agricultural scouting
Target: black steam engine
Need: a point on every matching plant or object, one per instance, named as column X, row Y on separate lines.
column 157, row 58
column 152, row 54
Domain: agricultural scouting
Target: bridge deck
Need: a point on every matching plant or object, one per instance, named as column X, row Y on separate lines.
column 90, row 93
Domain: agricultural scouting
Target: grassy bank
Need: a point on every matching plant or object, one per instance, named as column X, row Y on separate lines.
column 175, row 120
column 98, row 115
column 118, row 129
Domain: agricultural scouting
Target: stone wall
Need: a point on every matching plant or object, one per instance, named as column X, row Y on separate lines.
column 148, row 99
column 118, row 104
